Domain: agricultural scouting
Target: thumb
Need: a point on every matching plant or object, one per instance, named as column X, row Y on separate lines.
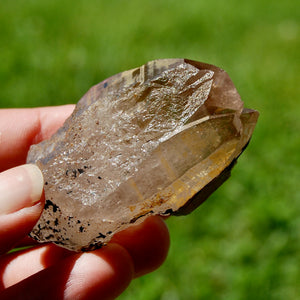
column 21, row 190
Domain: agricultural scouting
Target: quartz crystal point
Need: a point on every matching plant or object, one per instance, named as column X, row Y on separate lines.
column 155, row 140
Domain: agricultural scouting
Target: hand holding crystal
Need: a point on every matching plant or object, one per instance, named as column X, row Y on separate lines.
column 47, row 271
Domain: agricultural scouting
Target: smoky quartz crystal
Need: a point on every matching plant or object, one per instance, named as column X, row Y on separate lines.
column 155, row 140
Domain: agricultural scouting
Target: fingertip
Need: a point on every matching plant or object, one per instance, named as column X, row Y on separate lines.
column 21, row 203
column 147, row 243
column 110, row 270
column 37, row 182
column 20, row 187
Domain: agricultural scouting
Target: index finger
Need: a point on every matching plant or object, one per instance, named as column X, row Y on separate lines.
column 20, row 128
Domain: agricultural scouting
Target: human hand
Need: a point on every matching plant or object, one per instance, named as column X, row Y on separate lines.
column 46, row 271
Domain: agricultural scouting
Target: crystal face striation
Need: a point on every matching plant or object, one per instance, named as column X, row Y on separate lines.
column 158, row 139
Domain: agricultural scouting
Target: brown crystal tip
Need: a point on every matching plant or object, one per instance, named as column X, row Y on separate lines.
column 158, row 139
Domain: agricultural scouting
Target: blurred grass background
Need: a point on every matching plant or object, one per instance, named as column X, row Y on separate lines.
column 244, row 242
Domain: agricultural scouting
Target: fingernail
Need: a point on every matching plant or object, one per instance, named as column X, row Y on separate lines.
column 20, row 187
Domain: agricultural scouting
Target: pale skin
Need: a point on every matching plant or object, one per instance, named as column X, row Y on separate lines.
column 46, row 271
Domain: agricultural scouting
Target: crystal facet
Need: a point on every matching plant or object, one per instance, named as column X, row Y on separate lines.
column 158, row 139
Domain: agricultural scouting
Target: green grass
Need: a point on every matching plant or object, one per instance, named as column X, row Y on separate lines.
column 244, row 242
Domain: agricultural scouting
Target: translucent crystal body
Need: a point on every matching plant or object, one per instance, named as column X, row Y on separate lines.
column 158, row 139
